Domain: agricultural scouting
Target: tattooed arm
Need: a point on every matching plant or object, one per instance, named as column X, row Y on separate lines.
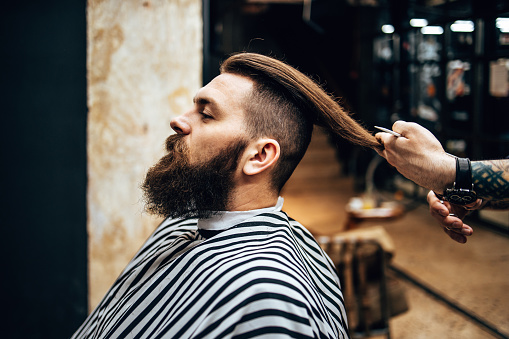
column 491, row 182
column 419, row 156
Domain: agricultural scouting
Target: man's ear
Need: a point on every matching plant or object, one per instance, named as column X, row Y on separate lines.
column 261, row 155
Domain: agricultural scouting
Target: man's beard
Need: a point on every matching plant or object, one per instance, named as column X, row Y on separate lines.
column 174, row 188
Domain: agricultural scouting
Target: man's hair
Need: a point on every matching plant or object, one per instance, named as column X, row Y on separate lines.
column 285, row 104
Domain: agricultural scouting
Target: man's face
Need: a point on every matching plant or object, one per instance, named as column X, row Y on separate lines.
column 216, row 118
column 197, row 176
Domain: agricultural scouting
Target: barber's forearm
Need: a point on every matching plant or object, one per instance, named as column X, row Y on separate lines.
column 491, row 180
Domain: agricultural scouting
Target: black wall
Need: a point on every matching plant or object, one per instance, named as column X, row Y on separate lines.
column 43, row 160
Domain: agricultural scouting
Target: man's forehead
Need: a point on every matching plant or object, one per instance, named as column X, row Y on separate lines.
column 225, row 87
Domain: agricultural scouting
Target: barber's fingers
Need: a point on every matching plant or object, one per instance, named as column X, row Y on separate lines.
column 385, row 139
column 452, row 224
column 455, row 228
column 439, row 208
column 392, row 147
column 402, row 127
column 447, row 216
column 436, row 206
column 431, row 197
column 450, row 221
column 382, row 152
column 460, row 238
column 411, row 130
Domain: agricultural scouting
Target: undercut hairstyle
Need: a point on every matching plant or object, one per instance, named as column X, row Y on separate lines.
column 285, row 104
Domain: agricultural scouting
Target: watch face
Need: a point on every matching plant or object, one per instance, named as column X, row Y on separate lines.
column 460, row 196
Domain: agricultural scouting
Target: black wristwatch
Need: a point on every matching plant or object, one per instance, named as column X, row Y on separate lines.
column 462, row 192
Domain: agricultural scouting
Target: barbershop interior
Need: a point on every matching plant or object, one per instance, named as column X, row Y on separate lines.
column 89, row 89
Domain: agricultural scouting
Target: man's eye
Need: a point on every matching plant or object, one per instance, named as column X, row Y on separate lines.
column 205, row 115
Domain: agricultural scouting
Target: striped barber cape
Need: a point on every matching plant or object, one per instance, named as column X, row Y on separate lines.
column 265, row 277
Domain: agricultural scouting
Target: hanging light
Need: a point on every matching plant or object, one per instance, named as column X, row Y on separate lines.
column 418, row 22
column 503, row 24
column 462, row 26
column 388, row 29
column 435, row 30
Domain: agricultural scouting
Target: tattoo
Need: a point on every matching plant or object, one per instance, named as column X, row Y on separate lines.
column 491, row 180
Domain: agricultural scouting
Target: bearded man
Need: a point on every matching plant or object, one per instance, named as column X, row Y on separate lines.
column 227, row 262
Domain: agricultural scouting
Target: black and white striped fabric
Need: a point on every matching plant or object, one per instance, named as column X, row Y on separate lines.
column 265, row 277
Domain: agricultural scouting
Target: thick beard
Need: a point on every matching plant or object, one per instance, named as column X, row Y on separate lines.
column 176, row 189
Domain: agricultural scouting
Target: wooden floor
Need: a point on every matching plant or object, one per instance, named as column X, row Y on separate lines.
column 475, row 275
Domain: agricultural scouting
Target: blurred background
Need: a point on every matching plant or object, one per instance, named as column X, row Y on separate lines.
column 89, row 88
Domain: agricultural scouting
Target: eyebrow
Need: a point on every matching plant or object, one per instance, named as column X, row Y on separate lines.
column 204, row 100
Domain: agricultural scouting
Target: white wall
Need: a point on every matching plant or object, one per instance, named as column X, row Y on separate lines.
column 144, row 65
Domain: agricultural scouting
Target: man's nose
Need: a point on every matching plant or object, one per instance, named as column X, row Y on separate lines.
column 180, row 125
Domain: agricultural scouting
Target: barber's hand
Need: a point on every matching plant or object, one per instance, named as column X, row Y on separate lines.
column 450, row 217
column 418, row 155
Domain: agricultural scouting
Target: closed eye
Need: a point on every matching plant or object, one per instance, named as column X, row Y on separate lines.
column 205, row 116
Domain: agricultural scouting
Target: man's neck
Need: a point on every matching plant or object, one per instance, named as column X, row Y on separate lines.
column 251, row 197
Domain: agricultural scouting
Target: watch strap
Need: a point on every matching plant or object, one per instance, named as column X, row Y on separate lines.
column 463, row 174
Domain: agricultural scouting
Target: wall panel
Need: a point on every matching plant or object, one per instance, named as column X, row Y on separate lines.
column 144, row 62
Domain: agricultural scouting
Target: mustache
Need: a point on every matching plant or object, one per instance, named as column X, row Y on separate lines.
column 175, row 143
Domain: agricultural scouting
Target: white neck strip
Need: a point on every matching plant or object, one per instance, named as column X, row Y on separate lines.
column 227, row 219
